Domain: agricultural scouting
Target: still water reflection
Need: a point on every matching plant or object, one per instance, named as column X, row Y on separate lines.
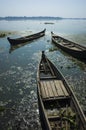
column 18, row 88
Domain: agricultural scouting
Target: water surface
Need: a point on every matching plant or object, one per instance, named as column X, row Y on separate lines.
column 18, row 69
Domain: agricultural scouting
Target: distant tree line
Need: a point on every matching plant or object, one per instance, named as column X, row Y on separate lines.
column 27, row 18
column 36, row 18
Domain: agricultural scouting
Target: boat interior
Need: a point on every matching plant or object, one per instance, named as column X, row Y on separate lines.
column 56, row 99
column 68, row 44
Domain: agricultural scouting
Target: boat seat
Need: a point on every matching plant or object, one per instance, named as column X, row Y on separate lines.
column 47, row 78
column 57, row 98
column 66, row 44
column 42, row 70
column 53, row 89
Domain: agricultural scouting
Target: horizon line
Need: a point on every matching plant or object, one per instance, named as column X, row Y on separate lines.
column 42, row 17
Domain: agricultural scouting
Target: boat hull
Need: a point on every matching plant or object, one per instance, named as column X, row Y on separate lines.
column 26, row 39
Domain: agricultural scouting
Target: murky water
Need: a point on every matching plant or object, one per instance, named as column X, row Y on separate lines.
column 18, row 88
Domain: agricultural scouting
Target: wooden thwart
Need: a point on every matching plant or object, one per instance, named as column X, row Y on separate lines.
column 53, row 89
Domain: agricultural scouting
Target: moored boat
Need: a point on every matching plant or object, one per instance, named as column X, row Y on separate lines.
column 26, row 38
column 58, row 107
column 76, row 50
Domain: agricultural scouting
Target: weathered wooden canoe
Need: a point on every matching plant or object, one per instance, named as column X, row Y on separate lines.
column 70, row 47
column 26, row 38
column 58, row 107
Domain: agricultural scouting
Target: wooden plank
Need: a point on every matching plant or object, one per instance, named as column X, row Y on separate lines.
column 42, row 90
column 51, row 94
column 54, row 89
column 46, row 89
column 63, row 88
column 59, row 89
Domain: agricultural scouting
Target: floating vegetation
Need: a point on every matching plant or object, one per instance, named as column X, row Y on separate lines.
column 68, row 67
column 53, row 49
column 5, row 33
column 2, row 49
column 61, row 67
column 2, row 35
column 48, row 40
column 2, row 108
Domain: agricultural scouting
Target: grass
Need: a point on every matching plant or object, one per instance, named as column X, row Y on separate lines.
column 2, row 35
column 5, row 33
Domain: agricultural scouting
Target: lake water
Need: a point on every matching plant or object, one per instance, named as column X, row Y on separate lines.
column 18, row 69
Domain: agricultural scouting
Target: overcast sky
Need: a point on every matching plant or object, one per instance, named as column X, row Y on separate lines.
column 58, row 8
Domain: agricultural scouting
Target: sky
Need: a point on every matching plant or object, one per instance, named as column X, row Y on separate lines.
column 55, row 8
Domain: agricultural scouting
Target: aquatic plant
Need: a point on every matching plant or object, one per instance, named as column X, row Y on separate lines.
column 2, row 108
column 2, row 35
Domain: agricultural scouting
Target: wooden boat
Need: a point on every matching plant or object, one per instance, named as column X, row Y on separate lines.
column 58, row 107
column 70, row 47
column 26, row 38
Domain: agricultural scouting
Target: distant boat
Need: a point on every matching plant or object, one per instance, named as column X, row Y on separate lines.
column 48, row 23
column 26, row 38
column 58, row 107
column 70, row 47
